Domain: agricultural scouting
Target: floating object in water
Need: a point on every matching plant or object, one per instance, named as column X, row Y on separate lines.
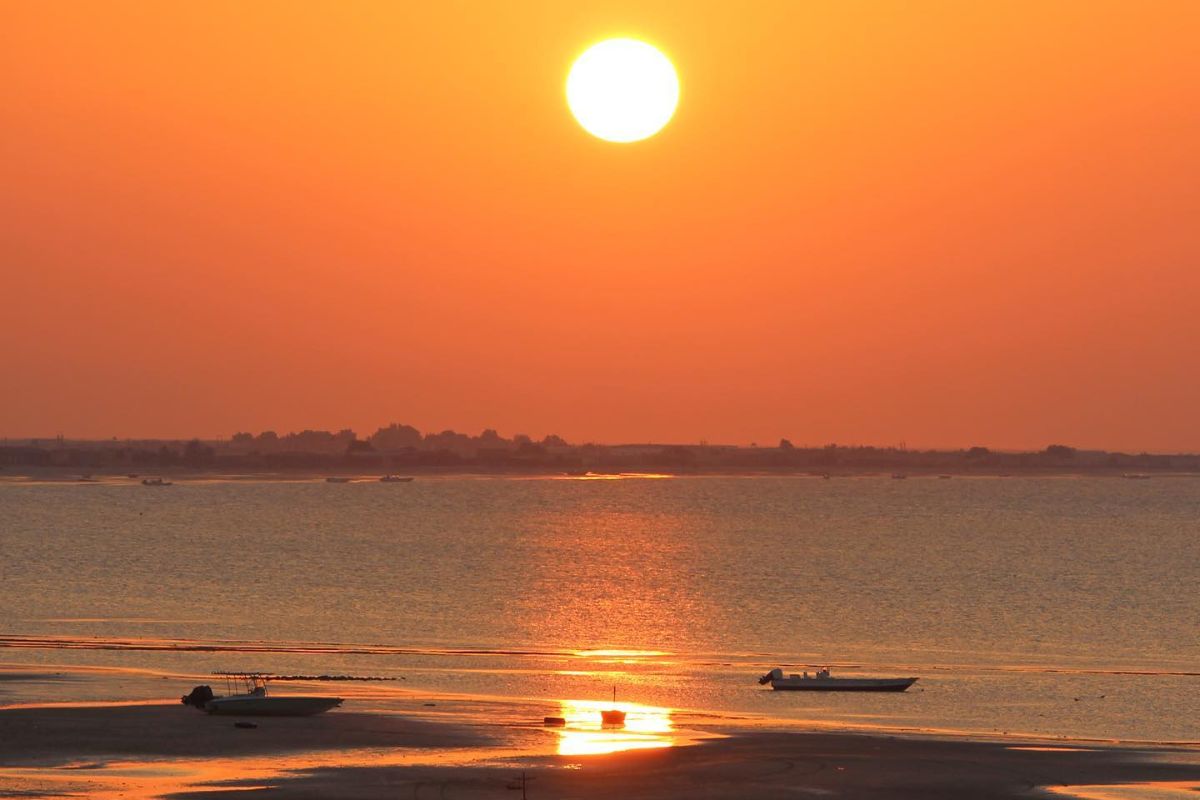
column 824, row 682
column 613, row 716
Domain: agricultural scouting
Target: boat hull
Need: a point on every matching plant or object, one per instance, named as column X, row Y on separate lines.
column 842, row 684
column 271, row 706
column 612, row 718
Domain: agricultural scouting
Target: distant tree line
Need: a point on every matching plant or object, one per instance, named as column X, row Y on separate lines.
column 400, row 447
column 395, row 438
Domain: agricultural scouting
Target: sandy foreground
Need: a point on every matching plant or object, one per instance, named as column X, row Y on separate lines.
column 156, row 750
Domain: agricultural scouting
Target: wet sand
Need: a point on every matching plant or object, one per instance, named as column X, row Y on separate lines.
column 155, row 750
column 51, row 736
column 763, row 766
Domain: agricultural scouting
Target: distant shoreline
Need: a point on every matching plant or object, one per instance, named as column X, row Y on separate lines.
column 74, row 475
column 401, row 450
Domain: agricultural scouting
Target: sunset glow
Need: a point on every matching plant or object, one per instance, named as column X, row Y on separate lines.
column 622, row 90
column 646, row 727
column 969, row 225
column 378, row 374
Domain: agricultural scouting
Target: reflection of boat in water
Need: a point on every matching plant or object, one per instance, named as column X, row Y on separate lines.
column 155, row 482
column 395, row 479
column 337, row 479
column 613, row 716
column 822, row 681
column 257, row 703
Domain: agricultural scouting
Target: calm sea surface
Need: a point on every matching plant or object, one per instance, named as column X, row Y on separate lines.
column 1052, row 606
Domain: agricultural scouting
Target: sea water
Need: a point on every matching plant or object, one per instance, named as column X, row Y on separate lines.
column 1051, row 606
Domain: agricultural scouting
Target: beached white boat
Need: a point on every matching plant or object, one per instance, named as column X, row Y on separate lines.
column 822, row 681
column 255, row 702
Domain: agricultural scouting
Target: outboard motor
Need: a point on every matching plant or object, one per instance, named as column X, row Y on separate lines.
column 198, row 697
column 774, row 675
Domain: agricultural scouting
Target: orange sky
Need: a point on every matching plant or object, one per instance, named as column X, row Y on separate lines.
column 867, row 223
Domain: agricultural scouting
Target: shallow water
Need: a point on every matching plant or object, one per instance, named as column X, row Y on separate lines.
column 1047, row 606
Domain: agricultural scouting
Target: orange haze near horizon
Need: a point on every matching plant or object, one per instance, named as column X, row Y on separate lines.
column 943, row 223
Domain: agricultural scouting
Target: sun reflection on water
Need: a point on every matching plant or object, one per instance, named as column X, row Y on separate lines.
column 615, row 653
column 616, row 476
column 646, row 727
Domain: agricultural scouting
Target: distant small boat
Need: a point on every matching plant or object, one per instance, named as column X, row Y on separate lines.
column 822, row 681
column 576, row 473
column 898, row 476
column 395, row 479
column 944, row 477
column 337, row 479
column 155, row 482
column 1136, row 476
column 613, row 716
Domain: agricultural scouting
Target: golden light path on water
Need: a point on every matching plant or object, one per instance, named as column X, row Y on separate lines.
column 646, row 728
column 616, row 476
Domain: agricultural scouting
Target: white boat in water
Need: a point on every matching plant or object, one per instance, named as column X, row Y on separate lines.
column 822, row 681
column 255, row 702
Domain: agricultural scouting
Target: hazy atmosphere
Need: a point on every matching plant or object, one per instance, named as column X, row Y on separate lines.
column 641, row 399
column 867, row 223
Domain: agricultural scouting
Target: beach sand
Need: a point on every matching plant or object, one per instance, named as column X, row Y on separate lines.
column 152, row 750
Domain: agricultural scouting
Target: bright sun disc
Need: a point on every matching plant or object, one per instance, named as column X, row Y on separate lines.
column 622, row 90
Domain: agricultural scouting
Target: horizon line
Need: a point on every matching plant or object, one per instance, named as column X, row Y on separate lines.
column 774, row 445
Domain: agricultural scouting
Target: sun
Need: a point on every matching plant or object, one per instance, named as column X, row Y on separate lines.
column 622, row 90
